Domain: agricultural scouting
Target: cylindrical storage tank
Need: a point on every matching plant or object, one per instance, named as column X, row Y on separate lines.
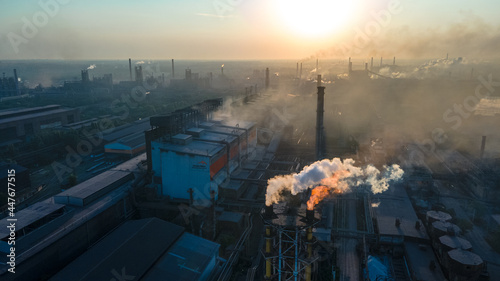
column 463, row 265
column 433, row 216
column 440, row 228
column 453, row 242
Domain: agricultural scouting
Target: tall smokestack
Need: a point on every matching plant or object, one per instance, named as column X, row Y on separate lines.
column 16, row 81
column 371, row 64
column 222, row 70
column 130, row 68
column 483, row 145
column 300, row 73
column 267, row 78
column 317, row 65
column 173, row 69
column 319, row 80
column 380, row 61
column 394, row 61
column 320, row 141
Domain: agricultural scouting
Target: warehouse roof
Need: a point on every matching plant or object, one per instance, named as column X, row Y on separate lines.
column 92, row 188
column 29, row 215
column 185, row 261
column 395, row 204
column 132, row 248
column 116, row 133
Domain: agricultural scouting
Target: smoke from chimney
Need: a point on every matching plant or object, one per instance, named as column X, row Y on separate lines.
column 337, row 175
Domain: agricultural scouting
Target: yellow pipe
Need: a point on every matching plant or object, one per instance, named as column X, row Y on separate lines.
column 268, row 268
column 268, row 245
column 308, row 272
column 309, row 250
column 309, row 234
column 268, row 231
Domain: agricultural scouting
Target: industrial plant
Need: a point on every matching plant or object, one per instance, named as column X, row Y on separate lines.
column 293, row 171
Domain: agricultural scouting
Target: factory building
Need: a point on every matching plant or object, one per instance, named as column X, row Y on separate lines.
column 183, row 164
column 147, row 249
column 53, row 232
column 9, row 86
column 17, row 123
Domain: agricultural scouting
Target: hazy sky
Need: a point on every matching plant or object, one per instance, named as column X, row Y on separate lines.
column 246, row 29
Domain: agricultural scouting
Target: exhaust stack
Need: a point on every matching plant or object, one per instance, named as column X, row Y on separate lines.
column 320, row 141
column 130, row 68
column 483, row 145
column 16, row 81
column 267, row 78
column 173, row 69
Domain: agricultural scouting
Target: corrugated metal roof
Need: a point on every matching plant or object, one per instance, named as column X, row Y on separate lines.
column 185, row 261
column 93, row 186
column 195, row 148
column 395, row 203
column 131, row 249
column 129, row 129
column 128, row 142
column 29, row 215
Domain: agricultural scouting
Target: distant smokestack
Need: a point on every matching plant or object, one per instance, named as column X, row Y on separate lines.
column 446, row 56
column 267, row 78
column 130, row 68
column 300, row 73
column 173, row 69
column 483, row 145
column 297, row 72
column 138, row 74
column 350, row 67
column 371, row 64
column 317, row 65
column 394, row 61
column 222, row 70
column 16, row 81
column 319, row 80
column 380, row 61
column 320, row 141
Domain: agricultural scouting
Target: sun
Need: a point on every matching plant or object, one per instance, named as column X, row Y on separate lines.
column 314, row 17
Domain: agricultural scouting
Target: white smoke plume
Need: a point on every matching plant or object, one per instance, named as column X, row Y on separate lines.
column 140, row 62
column 92, row 66
column 320, row 173
column 437, row 68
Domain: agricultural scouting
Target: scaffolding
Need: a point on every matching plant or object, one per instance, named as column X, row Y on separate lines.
column 289, row 243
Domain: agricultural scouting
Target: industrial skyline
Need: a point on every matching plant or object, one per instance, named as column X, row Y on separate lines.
column 222, row 29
